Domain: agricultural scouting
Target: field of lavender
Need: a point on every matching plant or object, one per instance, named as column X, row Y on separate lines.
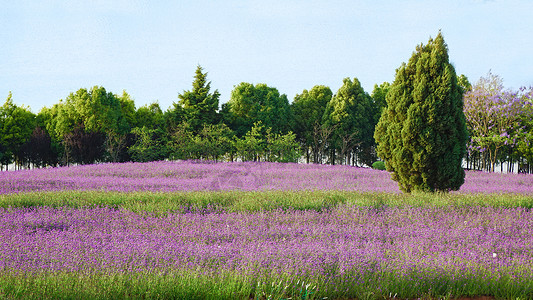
column 186, row 230
column 248, row 176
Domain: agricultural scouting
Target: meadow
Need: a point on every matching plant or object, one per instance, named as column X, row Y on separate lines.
column 190, row 230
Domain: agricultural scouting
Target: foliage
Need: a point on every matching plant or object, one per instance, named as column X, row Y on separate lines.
column 250, row 104
column 47, row 119
column 38, row 149
column 96, row 112
column 84, row 147
column 421, row 134
column 199, row 106
column 149, row 115
column 93, row 125
column 379, row 99
column 16, row 126
column 282, row 147
column 97, row 109
column 379, row 165
column 350, row 113
column 251, row 147
column 213, row 142
column 308, row 109
column 263, row 144
column 181, row 142
column 524, row 144
column 496, row 118
column 148, row 146
column 464, row 83
column 127, row 108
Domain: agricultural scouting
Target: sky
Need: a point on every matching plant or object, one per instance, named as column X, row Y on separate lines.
column 151, row 49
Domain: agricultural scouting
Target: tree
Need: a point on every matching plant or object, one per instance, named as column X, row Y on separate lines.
column 181, row 144
column 127, row 108
column 495, row 117
column 16, row 126
column 463, row 82
column 308, row 109
column 321, row 136
column 150, row 116
column 200, row 107
column 422, row 134
column 250, row 104
column 148, row 146
column 84, row 147
column 350, row 112
column 281, row 147
column 47, row 119
column 117, row 141
column 379, row 99
column 39, row 148
column 99, row 113
column 214, row 141
column 173, row 117
column 251, row 147
column 525, row 141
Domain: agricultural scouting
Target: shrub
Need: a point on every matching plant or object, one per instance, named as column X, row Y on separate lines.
column 378, row 165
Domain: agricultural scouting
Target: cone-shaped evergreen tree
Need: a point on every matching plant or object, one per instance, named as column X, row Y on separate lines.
column 421, row 134
column 199, row 105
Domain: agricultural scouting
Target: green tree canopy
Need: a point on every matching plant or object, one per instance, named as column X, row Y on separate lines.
column 379, row 99
column 92, row 116
column 150, row 116
column 308, row 109
column 148, row 145
column 199, row 105
column 464, row 83
column 127, row 107
column 350, row 113
column 16, row 126
column 253, row 103
column 98, row 111
column 421, row 134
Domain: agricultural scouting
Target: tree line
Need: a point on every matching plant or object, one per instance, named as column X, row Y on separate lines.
column 259, row 124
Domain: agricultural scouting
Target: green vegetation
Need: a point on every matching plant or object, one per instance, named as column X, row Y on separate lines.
column 422, row 134
column 379, row 165
column 350, row 115
column 250, row 201
column 198, row 285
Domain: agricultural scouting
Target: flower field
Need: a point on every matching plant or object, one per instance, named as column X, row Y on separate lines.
column 249, row 176
column 259, row 231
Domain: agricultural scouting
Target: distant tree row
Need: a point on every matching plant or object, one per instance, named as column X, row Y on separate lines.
column 257, row 123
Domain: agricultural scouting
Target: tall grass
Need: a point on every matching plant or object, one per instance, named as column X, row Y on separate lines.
column 195, row 285
column 247, row 201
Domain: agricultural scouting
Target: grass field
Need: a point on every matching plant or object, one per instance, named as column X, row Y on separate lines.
column 259, row 232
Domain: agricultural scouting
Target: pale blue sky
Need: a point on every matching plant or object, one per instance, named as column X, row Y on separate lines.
column 151, row 48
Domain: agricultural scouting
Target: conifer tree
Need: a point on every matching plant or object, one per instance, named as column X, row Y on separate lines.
column 199, row 105
column 421, row 134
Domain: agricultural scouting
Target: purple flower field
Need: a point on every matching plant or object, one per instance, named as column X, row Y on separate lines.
column 194, row 176
column 348, row 243
column 341, row 251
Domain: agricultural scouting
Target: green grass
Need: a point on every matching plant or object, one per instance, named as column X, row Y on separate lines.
column 191, row 284
column 254, row 201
